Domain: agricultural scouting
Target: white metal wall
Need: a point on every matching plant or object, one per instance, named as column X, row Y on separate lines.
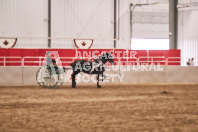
column 188, row 30
column 83, row 19
column 140, row 29
column 151, row 22
column 24, row 18
column 169, row 75
column 124, row 27
column 73, row 19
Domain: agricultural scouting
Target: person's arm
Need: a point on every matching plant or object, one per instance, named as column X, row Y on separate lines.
column 53, row 61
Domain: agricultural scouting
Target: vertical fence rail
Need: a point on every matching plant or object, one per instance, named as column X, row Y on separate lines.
column 4, row 62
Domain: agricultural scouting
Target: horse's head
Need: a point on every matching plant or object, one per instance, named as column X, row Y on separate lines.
column 107, row 57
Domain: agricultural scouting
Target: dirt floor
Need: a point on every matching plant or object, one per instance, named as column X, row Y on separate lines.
column 122, row 108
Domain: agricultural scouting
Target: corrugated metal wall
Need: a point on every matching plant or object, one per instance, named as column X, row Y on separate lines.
column 151, row 21
column 24, row 18
column 140, row 29
column 92, row 19
column 188, row 31
column 72, row 19
column 82, row 19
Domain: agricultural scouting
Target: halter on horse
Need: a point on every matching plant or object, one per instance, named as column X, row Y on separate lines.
column 91, row 67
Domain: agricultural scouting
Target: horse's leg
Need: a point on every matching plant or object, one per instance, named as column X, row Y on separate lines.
column 103, row 77
column 98, row 81
column 73, row 79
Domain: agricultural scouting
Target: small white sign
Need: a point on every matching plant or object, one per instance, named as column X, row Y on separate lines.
column 83, row 43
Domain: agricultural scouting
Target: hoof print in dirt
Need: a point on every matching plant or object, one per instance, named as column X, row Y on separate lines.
column 165, row 92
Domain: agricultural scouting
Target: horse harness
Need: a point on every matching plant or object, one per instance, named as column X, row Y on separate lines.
column 96, row 63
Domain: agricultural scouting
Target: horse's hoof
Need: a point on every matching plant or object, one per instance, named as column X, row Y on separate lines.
column 99, row 86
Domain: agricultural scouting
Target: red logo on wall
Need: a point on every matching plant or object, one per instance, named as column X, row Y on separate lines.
column 7, row 42
column 83, row 44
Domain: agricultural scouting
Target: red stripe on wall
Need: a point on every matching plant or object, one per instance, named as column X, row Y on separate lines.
column 84, row 52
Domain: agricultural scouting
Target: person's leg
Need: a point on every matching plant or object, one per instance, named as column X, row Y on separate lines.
column 56, row 69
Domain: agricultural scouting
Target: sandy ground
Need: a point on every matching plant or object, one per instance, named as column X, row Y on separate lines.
column 122, row 108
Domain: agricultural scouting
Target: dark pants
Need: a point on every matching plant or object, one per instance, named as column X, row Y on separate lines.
column 50, row 68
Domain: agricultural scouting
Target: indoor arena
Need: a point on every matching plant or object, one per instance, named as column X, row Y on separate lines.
column 99, row 65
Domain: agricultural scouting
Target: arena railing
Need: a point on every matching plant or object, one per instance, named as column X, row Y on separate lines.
column 38, row 61
column 142, row 60
column 10, row 60
column 180, row 60
column 156, row 60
